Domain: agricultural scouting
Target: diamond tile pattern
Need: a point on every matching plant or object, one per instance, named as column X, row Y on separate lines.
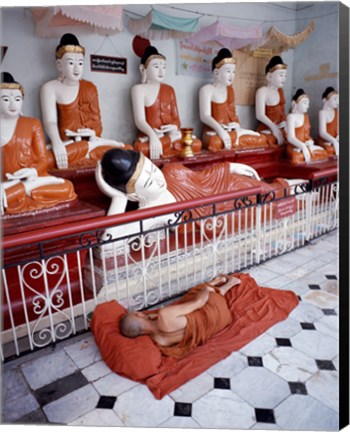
column 286, row 378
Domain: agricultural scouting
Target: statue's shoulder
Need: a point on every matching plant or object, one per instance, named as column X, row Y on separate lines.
column 87, row 85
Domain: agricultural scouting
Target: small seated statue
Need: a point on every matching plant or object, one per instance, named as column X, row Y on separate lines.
column 25, row 183
column 328, row 129
column 155, row 110
column 71, row 112
column 222, row 129
column 301, row 147
column 129, row 175
column 270, row 102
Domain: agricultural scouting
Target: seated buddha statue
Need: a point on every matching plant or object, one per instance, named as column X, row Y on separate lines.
column 71, row 112
column 328, row 129
column 301, row 147
column 155, row 110
column 270, row 102
column 126, row 175
column 25, row 184
column 222, row 128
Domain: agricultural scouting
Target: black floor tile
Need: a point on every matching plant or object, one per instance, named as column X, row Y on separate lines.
column 283, row 342
column 314, row 287
column 106, row 402
column 60, row 388
column 307, row 326
column 325, row 365
column 255, row 361
column 297, row 388
column 222, row 383
column 332, row 277
column 299, row 298
column 182, row 409
column 329, row 311
column 264, row 415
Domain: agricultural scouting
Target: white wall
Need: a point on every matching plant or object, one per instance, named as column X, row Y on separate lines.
column 32, row 62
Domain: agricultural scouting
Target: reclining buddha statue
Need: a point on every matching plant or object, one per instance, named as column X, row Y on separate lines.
column 270, row 102
column 328, row 127
column 71, row 112
column 25, row 184
column 155, row 110
column 217, row 107
column 301, row 147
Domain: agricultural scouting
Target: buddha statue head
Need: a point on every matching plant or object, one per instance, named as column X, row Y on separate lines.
column 330, row 98
column 133, row 174
column 276, row 72
column 12, row 94
column 224, row 67
column 300, row 102
column 70, row 59
column 153, row 65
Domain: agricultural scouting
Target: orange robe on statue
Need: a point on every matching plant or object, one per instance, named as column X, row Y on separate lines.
column 186, row 184
column 83, row 112
column 202, row 323
column 27, row 149
column 225, row 113
column 164, row 112
column 302, row 133
column 276, row 114
column 332, row 129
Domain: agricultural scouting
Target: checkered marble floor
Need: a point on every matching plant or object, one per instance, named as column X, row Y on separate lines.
column 285, row 379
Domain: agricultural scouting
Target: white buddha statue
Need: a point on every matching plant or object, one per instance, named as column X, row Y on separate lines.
column 155, row 110
column 270, row 102
column 25, row 184
column 301, row 146
column 222, row 128
column 70, row 110
column 328, row 122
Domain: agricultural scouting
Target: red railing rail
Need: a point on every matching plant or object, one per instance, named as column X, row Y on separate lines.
column 44, row 234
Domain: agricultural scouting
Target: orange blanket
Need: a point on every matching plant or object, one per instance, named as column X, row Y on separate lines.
column 254, row 309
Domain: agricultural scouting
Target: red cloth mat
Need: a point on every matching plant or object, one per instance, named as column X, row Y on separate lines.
column 254, row 309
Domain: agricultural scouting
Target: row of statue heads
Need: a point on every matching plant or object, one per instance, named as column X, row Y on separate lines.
column 72, row 122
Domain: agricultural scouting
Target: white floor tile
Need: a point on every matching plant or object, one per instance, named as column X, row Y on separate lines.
column 113, row 385
column 316, row 345
column 98, row 417
column 329, row 325
column 180, row 422
column 138, row 408
column 17, row 408
column 96, row 371
column 290, row 364
column 324, row 386
column 47, row 369
column 72, row 406
column 321, row 299
column 259, row 386
column 193, row 389
column 223, row 409
column 259, row 346
column 13, row 385
column 84, row 353
column 306, row 312
column 285, row 329
column 300, row 412
column 230, row 366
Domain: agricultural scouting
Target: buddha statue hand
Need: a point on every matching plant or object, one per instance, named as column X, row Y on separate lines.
column 242, row 169
column 240, row 132
column 32, row 183
column 231, row 126
column 24, row 173
column 306, row 152
column 282, row 125
column 98, row 141
column 225, row 138
column 156, row 149
column 60, row 152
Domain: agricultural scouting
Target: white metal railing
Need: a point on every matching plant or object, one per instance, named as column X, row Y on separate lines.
column 48, row 296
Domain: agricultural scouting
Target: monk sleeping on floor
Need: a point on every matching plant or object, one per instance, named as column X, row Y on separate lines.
column 179, row 328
